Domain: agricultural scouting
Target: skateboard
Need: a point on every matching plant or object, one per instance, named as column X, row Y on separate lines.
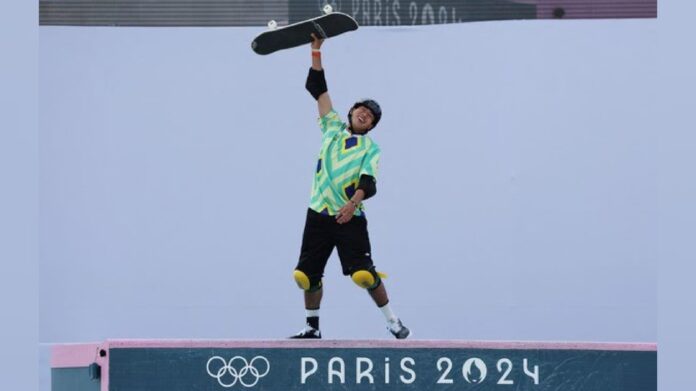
column 328, row 25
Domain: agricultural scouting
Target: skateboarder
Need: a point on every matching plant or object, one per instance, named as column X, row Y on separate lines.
column 344, row 178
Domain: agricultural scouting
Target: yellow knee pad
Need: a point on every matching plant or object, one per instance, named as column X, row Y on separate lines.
column 303, row 281
column 366, row 279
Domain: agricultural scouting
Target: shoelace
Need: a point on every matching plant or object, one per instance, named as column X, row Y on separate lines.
column 308, row 329
column 395, row 326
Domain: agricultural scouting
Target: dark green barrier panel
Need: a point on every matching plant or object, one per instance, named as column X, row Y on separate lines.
column 286, row 369
column 73, row 379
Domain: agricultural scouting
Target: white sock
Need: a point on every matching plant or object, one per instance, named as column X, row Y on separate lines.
column 310, row 313
column 388, row 313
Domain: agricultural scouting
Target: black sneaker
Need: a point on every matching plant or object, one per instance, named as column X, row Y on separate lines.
column 308, row 332
column 398, row 329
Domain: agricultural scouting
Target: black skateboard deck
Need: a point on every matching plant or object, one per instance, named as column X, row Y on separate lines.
column 296, row 34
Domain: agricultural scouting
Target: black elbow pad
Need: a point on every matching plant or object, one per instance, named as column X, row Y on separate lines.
column 368, row 184
column 316, row 83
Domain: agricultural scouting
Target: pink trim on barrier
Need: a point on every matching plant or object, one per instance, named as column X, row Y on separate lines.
column 82, row 355
column 74, row 355
column 380, row 344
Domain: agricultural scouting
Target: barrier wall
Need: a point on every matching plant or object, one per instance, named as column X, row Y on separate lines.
column 354, row 365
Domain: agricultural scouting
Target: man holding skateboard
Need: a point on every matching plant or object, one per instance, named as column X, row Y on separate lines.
column 344, row 178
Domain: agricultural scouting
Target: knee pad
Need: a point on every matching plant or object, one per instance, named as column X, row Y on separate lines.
column 304, row 283
column 368, row 279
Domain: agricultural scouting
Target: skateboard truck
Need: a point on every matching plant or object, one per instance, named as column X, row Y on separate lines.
column 319, row 30
column 327, row 9
column 272, row 25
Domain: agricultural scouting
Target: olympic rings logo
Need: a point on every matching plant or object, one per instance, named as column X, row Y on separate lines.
column 239, row 370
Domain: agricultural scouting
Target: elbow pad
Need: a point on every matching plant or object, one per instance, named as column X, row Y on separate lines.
column 316, row 83
column 368, row 184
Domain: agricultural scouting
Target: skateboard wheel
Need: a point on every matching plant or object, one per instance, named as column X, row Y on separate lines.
column 272, row 25
column 328, row 9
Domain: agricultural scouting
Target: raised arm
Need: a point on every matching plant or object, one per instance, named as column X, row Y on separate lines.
column 316, row 83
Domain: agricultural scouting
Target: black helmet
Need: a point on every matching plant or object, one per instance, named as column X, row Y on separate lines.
column 370, row 104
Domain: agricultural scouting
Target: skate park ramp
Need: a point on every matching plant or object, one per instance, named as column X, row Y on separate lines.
column 356, row 365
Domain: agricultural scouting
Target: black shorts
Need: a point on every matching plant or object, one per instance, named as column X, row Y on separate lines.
column 322, row 233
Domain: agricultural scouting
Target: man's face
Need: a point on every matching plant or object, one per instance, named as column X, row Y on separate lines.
column 362, row 119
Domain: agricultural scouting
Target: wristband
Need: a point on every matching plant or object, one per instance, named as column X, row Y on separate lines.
column 355, row 204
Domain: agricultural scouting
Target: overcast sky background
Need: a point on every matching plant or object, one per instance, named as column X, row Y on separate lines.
column 517, row 193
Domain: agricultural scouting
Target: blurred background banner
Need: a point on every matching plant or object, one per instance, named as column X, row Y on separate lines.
column 401, row 13
column 366, row 12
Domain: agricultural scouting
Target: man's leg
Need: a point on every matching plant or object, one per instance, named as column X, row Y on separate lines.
column 312, row 300
column 317, row 246
column 312, row 304
column 354, row 249
column 394, row 325
column 379, row 295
